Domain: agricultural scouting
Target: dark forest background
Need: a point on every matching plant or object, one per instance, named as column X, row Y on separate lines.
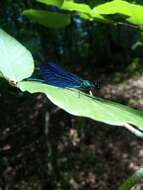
column 76, row 153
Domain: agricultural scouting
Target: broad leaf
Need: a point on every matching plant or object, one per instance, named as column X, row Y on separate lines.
column 81, row 104
column 82, row 9
column 79, row 7
column 57, row 3
column 16, row 62
column 134, row 12
column 48, row 19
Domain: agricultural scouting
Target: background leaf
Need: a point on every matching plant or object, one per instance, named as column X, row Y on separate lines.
column 134, row 12
column 16, row 62
column 81, row 104
column 82, row 9
column 48, row 19
column 57, row 3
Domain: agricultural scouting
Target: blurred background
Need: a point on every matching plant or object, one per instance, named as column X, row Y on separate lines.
column 74, row 153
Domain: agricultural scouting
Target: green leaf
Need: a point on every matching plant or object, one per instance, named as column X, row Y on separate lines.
column 81, row 104
column 113, row 7
column 57, row 3
column 134, row 12
column 70, row 5
column 132, row 180
column 48, row 19
column 82, row 9
column 79, row 7
column 16, row 62
column 137, row 15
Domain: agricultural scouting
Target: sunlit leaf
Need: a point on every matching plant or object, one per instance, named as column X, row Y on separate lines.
column 16, row 62
column 133, row 11
column 48, row 19
column 57, row 3
column 80, row 104
column 81, row 9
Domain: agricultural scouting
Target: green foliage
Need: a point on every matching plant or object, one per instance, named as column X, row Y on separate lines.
column 57, row 3
column 48, row 19
column 88, row 45
column 133, row 12
column 82, row 9
column 16, row 62
column 133, row 180
column 77, row 103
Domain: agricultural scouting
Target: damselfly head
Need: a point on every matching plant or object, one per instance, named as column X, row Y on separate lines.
column 87, row 85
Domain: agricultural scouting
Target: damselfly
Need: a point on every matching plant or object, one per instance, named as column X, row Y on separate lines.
column 54, row 75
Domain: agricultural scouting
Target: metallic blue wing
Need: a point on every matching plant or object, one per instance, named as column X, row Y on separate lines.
column 57, row 76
